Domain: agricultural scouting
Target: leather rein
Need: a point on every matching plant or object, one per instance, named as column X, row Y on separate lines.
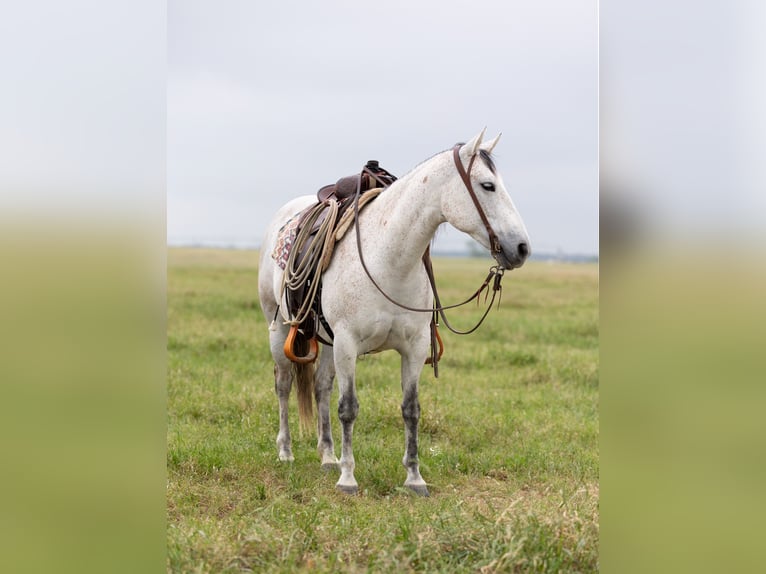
column 494, row 276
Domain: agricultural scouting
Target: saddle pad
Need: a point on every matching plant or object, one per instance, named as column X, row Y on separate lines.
column 285, row 240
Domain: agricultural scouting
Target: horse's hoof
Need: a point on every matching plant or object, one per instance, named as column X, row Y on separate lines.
column 347, row 488
column 419, row 489
column 330, row 466
column 286, row 457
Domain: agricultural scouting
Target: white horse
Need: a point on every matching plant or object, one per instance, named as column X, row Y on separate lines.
column 395, row 230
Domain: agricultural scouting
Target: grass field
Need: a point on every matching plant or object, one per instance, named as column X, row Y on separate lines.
column 508, row 441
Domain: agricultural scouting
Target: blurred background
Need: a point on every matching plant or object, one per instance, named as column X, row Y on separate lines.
column 682, row 182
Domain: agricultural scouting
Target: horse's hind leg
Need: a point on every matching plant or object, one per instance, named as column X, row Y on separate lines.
column 282, row 385
column 283, row 382
column 322, row 391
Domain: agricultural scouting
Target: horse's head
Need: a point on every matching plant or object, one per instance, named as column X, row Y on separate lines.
column 489, row 216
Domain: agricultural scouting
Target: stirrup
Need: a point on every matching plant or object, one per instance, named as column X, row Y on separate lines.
column 289, row 345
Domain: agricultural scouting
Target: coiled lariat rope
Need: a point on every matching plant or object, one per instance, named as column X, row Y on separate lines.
column 318, row 250
column 308, row 270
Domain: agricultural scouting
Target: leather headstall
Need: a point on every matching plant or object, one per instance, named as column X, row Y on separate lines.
column 465, row 175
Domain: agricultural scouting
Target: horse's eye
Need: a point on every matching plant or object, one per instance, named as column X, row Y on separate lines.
column 488, row 186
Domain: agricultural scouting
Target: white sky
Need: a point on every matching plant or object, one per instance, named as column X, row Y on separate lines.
column 82, row 107
column 224, row 110
column 270, row 100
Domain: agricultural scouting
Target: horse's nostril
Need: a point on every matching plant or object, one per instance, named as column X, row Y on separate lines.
column 523, row 249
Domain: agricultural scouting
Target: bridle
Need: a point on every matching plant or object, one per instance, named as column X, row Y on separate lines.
column 494, row 276
column 494, row 242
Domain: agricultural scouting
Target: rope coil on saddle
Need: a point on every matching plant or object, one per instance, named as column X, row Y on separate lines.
column 316, row 255
column 319, row 228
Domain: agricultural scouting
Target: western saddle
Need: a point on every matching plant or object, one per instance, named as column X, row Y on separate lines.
column 341, row 194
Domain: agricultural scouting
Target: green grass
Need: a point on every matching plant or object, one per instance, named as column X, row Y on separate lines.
column 508, row 442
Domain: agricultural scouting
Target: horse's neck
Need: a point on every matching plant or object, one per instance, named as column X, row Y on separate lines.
column 404, row 218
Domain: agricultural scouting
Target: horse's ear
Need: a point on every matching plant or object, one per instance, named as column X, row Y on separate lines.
column 490, row 145
column 472, row 147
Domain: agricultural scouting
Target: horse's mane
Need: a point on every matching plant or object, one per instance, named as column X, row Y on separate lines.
column 486, row 157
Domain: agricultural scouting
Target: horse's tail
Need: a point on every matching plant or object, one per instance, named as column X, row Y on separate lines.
column 304, row 378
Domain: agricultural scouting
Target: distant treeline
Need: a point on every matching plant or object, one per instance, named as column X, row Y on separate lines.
column 566, row 257
column 561, row 257
column 476, row 251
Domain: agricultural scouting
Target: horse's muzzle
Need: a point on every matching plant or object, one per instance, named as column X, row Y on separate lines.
column 513, row 257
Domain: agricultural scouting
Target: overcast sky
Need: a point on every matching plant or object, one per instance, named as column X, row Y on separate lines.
column 271, row 100
column 266, row 101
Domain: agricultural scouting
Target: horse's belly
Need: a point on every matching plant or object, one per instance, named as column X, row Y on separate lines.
column 393, row 338
column 384, row 333
column 352, row 305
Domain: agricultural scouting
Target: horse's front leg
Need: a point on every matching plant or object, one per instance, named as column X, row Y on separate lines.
column 412, row 365
column 322, row 391
column 348, row 408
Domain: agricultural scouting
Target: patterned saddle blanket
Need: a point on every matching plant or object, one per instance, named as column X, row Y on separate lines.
column 285, row 240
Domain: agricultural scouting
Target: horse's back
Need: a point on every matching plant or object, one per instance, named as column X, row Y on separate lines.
column 285, row 213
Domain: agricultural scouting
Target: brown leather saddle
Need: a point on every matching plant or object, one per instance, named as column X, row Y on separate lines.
column 344, row 191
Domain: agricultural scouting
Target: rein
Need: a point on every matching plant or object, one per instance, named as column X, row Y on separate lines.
column 495, row 272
